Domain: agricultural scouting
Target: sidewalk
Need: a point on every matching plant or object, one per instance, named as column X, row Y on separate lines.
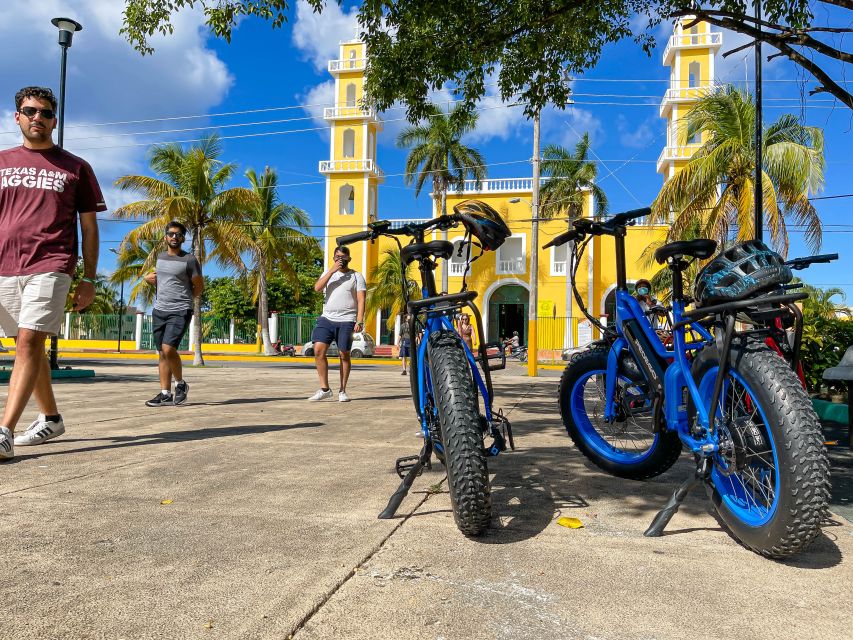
column 251, row 513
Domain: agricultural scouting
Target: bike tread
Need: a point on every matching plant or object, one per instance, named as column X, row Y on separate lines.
column 465, row 456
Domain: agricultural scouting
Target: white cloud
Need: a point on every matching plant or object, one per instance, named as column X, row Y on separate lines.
column 317, row 98
column 638, row 135
column 566, row 127
column 318, row 35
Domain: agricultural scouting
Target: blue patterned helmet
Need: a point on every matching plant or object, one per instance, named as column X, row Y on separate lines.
column 742, row 271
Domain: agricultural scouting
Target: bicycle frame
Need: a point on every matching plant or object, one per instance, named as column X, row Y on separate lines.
column 666, row 371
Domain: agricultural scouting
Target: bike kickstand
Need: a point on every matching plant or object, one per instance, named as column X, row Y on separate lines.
column 403, row 490
column 663, row 516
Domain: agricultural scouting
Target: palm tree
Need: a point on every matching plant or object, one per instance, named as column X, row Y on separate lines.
column 134, row 261
column 385, row 289
column 820, row 304
column 190, row 189
column 569, row 176
column 437, row 153
column 716, row 186
column 274, row 234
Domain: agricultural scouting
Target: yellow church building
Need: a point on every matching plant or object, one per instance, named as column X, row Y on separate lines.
column 502, row 278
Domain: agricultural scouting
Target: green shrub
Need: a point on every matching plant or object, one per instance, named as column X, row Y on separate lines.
column 824, row 343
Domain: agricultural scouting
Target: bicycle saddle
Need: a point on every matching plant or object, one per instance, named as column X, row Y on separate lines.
column 700, row 248
column 421, row 250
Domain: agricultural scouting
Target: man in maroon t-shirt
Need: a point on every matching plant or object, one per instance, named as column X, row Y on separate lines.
column 43, row 189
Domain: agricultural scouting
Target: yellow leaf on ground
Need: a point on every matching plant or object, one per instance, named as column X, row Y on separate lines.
column 165, row 502
column 571, row 523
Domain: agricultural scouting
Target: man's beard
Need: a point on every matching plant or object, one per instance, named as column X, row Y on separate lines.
column 44, row 135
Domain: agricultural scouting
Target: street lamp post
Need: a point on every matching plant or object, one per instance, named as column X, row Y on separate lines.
column 67, row 28
column 120, row 307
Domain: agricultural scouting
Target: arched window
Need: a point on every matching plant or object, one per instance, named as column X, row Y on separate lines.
column 349, row 143
column 351, row 95
column 371, row 204
column 352, row 59
column 694, row 34
column 693, row 74
column 370, row 140
column 346, row 195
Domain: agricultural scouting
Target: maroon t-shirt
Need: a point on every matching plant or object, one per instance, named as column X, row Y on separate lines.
column 41, row 193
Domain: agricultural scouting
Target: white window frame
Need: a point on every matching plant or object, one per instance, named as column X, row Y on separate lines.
column 344, row 201
column 554, row 261
column 458, row 269
column 502, row 272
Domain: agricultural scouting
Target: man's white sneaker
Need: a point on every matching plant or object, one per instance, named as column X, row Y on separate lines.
column 7, row 444
column 343, row 397
column 321, row 395
column 41, row 430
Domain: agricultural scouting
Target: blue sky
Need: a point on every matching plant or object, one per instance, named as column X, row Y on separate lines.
column 281, row 76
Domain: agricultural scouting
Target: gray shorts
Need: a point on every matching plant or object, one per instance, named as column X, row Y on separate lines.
column 35, row 302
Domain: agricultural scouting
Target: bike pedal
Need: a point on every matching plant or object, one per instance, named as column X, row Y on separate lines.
column 405, row 464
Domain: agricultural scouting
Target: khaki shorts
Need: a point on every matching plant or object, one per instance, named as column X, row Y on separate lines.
column 34, row 302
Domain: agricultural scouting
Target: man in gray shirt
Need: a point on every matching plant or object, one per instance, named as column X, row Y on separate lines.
column 178, row 278
column 344, row 291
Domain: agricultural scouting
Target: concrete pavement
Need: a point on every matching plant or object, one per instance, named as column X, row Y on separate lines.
column 250, row 513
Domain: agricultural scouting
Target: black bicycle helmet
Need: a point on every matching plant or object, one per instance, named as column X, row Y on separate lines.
column 742, row 271
column 483, row 223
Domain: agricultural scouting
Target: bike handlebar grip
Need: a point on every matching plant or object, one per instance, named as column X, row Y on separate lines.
column 625, row 216
column 562, row 239
column 354, row 237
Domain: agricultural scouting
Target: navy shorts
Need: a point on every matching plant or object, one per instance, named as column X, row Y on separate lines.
column 169, row 327
column 404, row 349
column 326, row 331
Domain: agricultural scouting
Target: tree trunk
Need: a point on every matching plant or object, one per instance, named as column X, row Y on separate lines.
column 198, row 358
column 263, row 308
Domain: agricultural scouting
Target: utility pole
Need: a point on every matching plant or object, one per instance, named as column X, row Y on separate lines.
column 533, row 307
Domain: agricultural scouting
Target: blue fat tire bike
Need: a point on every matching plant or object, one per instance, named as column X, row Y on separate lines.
column 449, row 383
column 631, row 404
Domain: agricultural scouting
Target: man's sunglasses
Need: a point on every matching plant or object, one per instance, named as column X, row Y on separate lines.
column 30, row 112
column 174, row 234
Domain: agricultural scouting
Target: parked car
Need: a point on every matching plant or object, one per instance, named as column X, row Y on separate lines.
column 363, row 346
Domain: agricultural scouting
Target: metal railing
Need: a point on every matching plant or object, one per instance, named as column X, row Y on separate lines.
column 343, row 112
column 350, row 164
column 691, row 40
column 514, row 265
column 351, row 64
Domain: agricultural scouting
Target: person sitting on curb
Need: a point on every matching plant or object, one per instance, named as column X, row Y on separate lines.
column 344, row 292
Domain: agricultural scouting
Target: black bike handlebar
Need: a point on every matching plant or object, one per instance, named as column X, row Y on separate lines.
column 354, row 237
column 563, row 238
column 802, row 263
column 621, row 219
column 383, row 227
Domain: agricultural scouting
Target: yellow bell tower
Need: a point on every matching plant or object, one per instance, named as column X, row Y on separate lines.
column 352, row 175
column 689, row 54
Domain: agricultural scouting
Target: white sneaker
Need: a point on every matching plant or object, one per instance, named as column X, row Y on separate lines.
column 321, row 395
column 39, row 431
column 342, row 396
column 7, row 444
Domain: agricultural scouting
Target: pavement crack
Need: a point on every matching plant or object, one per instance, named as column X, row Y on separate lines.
column 353, row 572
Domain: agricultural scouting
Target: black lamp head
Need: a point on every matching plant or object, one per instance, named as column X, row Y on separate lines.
column 66, row 27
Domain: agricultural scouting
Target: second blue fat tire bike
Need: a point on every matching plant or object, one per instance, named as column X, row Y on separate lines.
column 631, row 404
column 450, row 384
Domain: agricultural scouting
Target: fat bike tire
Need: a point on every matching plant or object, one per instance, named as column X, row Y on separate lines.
column 770, row 480
column 610, row 445
column 461, row 435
